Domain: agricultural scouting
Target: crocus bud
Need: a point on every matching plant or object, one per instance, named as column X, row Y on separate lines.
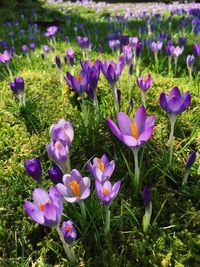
column 55, row 174
column 42, row 56
column 68, row 231
column 32, row 46
column 34, row 169
column 58, row 62
column 17, row 86
column 25, row 48
column 191, row 160
column 146, row 196
column 148, row 209
column 190, row 61
column 131, row 103
column 119, row 96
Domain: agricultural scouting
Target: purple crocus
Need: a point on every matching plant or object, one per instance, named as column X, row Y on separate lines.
column 197, row 49
column 32, row 46
column 190, row 62
column 156, row 46
column 46, row 208
column 106, row 192
column 55, row 174
column 17, row 86
column 128, row 54
column 69, row 231
column 144, row 84
column 174, row 104
column 24, row 49
column 101, row 169
column 63, row 131
column 46, row 48
column 139, row 49
column 74, row 188
column 133, row 41
column 70, row 56
column 34, row 169
column 58, row 62
column 83, row 42
column 79, row 83
column 189, row 163
column 182, row 41
column 114, row 44
column 5, row 57
column 51, row 31
column 146, row 196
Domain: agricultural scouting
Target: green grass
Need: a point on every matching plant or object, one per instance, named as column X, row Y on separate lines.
column 174, row 236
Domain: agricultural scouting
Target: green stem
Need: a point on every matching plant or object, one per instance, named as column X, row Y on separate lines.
column 143, row 96
column 68, row 168
column 10, row 72
column 68, row 250
column 107, row 222
column 96, row 105
column 84, row 111
column 171, row 138
column 137, row 170
column 185, row 178
column 175, row 63
column 83, row 211
column 114, row 94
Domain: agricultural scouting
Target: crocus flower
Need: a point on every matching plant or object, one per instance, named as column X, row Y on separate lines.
column 58, row 62
column 174, row 104
column 55, row 174
column 69, row 231
column 58, row 152
column 83, row 42
column 5, row 57
column 114, row 44
column 51, row 31
column 127, row 54
column 189, row 163
column 46, row 208
column 46, row 48
column 177, row 51
column 34, row 169
column 156, row 47
column 144, row 84
column 63, row 131
column 32, row 46
column 190, row 62
column 133, row 41
column 70, row 56
column 24, row 48
column 101, row 169
column 106, row 192
column 79, row 83
column 139, row 49
column 148, row 209
column 74, row 188
column 17, row 86
column 182, row 41
column 196, row 49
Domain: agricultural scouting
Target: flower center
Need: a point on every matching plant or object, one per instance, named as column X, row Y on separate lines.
column 75, row 187
column 58, row 146
column 79, row 78
column 101, row 165
column 134, row 129
column 106, row 191
column 69, row 228
column 41, row 206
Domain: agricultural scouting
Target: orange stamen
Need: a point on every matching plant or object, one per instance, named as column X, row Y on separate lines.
column 58, row 146
column 75, row 187
column 79, row 78
column 41, row 206
column 69, row 228
column 101, row 165
column 106, row 191
column 134, row 129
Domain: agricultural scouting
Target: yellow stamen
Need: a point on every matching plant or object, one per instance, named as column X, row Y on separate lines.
column 41, row 206
column 58, row 146
column 106, row 191
column 101, row 165
column 79, row 78
column 134, row 129
column 69, row 228
column 75, row 187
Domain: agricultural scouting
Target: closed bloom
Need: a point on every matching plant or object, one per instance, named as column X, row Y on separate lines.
column 182, row 41
column 175, row 103
column 133, row 41
column 75, row 188
column 101, row 169
column 34, row 169
column 17, row 86
column 69, row 231
column 46, row 48
column 144, row 83
column 133, row 132
column 191, row 160
column 83, row 42
column 25, row 49
column 146, row 196
column 156, row 46
column 106, row 192
column 5, row 57
column 139, row 49
column 55, row 174
column 58, row 62
column 196, row 49
column 70, row 56
column 190, row 61
column 114, row 44
column 46, row 208
column 127, row 54
column 63, row 131
column 51, row 31
column 32, row 46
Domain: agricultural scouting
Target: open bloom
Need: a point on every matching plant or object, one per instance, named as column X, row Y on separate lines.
column 175, row 103
column 75, row 188
column 17, row 86
column 101, row 169
column 46, row 208
column 63, row 131
column 34, row 169
column 5, row 57
column 83, row 42
column 133, row 132
column 156, row 46
column 144, row 83
column 133, row 41
column 177, row 51
column 51, row 31
column 79, row 83
column 106, row 192
column 69, row 231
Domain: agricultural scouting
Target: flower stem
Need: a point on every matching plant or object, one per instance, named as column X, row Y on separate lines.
column 107, row 222
column 114, row 93
column 143, row 96
column 96, row 105
column 83, row 211
column 68, row 250
column 185, row 178
column 10, row 72
column 171, row 138
column 68, row 168
column 137, row 170
column 175, row 62
column 84, row 111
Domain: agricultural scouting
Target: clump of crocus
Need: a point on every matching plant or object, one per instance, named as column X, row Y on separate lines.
column 17, row 86
column 190, row 162
column 144, row 84
column 47, row 210
column 101, row 169
column 134, row 133
column 112, row 71
column 34, row 169
column 62, row 135
column 75, row 188
column 190, row 62
column 55, row 174
column 69, row 231
column 107, row 192
column 5, row 58
column 174, row 104
column 148, row 209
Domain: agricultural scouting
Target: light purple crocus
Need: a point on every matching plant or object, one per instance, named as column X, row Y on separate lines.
column 70, row 56
column 51, row 31
column 63, row 131
column 128, row 54
column 101, row 169
column 114, row 45
column 5, row 57
column 24, row 49
column 177, row 51
column 69, row 231
column 46, row 208
column 106, row 192
column 173, row 104
column 79, row 83
column 75, row 188
column 133, row 41
column 144, row 84
column 156, row 46
column 83, row 42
